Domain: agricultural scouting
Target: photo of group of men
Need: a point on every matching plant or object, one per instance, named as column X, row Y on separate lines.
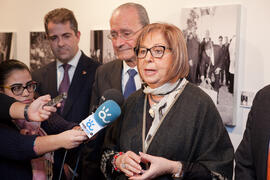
column 211, row 46
column 210, row 62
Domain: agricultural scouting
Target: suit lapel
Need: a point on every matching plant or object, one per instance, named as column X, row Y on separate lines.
column 115, row 77
column 51, row 79
column 79, row 80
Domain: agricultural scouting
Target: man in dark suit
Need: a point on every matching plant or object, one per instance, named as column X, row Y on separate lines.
column 211, row 64
column 126, row 23
column 193, row 56
column 223, row 49
column 252, row 155
column 62, row 31
column 227, row 59
column 205, row 39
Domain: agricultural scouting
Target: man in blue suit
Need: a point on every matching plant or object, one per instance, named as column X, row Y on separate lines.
column 62, row 31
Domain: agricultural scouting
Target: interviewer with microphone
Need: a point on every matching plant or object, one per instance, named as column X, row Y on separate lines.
column 16, row 110
column 22, row 140
column 170, row 128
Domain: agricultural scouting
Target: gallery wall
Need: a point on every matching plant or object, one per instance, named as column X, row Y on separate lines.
column 27, row 15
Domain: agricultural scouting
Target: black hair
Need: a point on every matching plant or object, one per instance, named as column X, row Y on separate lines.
column 6, row 67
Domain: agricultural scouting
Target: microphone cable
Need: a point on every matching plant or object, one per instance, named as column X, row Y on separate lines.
column 74, row 174
column 62, row 166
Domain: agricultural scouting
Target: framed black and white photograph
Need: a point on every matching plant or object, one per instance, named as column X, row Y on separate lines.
column 246, row 99
column 211, row 34
column 7, row 45
column 101, row 48
column 40, row 51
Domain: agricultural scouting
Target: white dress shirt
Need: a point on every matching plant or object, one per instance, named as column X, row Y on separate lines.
column 125, row 77
column 60, row 70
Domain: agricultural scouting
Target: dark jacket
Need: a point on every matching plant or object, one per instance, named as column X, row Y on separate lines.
column 252, row 153
column 192, row 132
column 16, row 149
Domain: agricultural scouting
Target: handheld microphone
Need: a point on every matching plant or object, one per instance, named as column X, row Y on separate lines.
column 104, row 115
column 110, row 94
column 108, row 111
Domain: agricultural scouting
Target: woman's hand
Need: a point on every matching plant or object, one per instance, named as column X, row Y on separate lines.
column 71, row 138
column 129, row 163
column 36, row 111
column 159, row 166
column 67, row 139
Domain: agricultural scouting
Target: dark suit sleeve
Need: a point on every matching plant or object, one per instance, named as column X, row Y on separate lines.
column 5, row 105
column 204, row 61
column 56, row 124
column 244, row 168
column 15, row 146
column 110, row 148
column 95, row 92
column 220, row 56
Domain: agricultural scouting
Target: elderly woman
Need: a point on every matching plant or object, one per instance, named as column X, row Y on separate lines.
column 23, row 141
column 170, row 128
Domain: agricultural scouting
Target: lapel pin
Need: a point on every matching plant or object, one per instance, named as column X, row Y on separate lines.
column 84, row 72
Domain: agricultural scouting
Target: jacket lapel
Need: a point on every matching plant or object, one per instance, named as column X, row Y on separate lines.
column 50, row 79
column 115, row 77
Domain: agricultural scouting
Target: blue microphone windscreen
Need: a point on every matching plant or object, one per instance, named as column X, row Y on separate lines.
column 107, row 112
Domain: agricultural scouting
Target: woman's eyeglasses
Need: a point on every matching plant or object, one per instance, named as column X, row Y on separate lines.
column 156, row 51
column 17, row 89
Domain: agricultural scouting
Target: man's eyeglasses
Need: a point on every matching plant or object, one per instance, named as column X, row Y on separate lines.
column 123, row 34
column 156, row 51
column 17, row 89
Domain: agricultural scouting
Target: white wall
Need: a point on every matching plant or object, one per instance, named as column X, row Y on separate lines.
column 27, row 15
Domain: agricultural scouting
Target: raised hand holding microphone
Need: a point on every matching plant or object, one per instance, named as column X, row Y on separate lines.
column 68, row 139
column 108, row 111
column 36, row 111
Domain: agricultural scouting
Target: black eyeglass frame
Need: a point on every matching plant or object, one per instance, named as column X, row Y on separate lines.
column 28, row 87
column 136, row 50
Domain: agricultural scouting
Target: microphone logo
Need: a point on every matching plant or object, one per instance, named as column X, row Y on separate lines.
column 89, row 124
column 103, row 114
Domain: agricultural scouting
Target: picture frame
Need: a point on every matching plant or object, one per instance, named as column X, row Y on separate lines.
column 40, row 51
column 218, row 27
column 7, row 45
column 101, row 48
